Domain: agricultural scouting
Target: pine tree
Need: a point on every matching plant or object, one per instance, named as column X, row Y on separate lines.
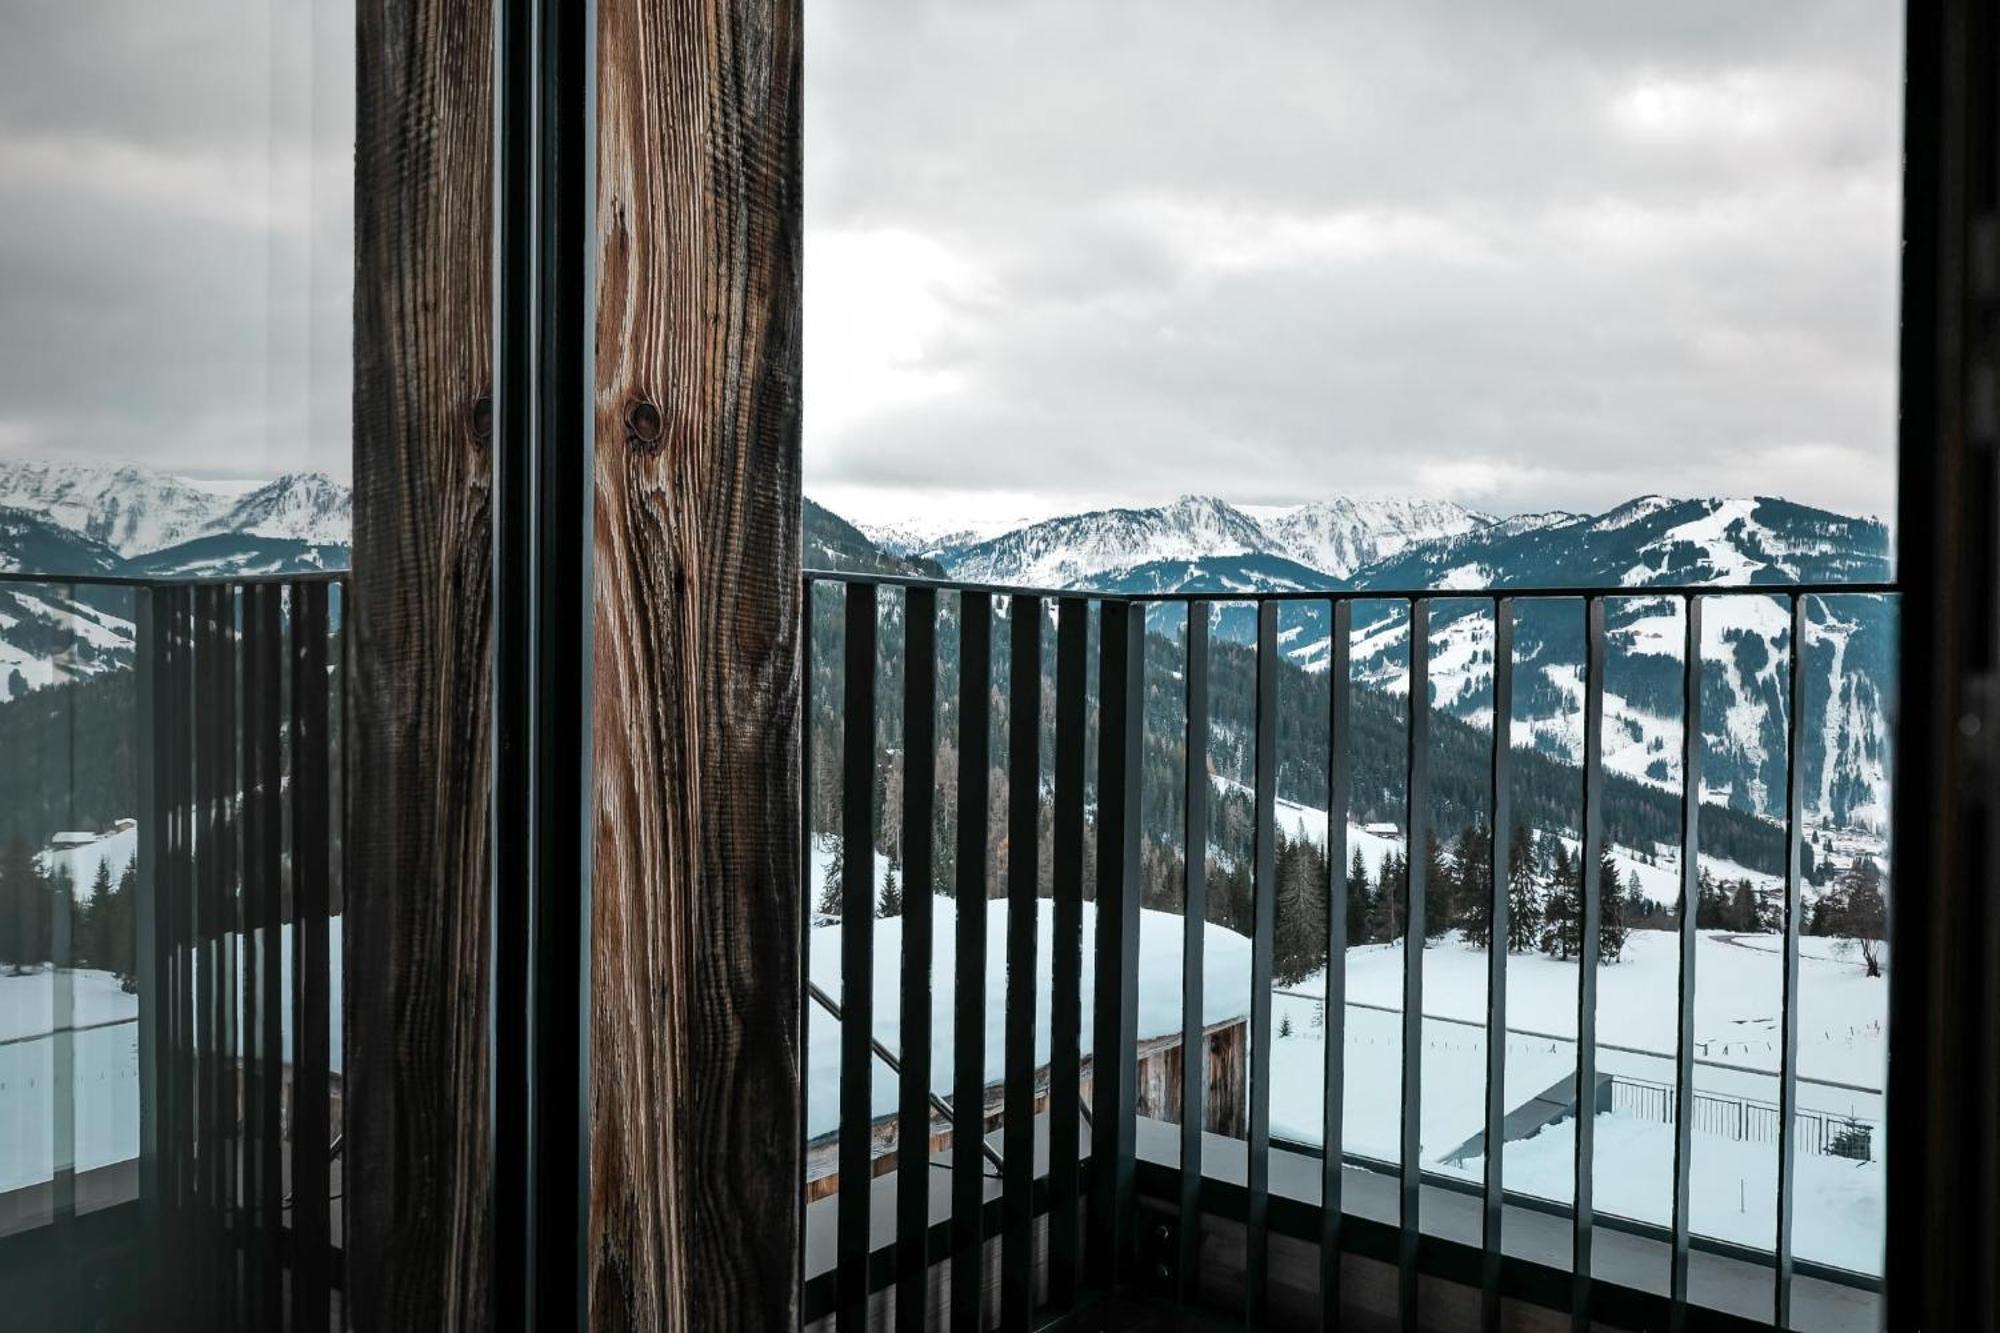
column 892, row 893
column 829, row 890
column 1390, row 897
column 1524, row 913
column 1612, row 926
column 91, row 944
column 1441, row 890
column 1360, row 901
column 1711, row 912
column 24, row 908
column 119, row 928
column 1474, row 859
column 1745, row 913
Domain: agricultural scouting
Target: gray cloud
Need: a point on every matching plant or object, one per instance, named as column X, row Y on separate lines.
column 1522, row 255
column 1545, row 252
column 176, row 234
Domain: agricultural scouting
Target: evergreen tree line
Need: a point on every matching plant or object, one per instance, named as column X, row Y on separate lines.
column 1545, row 793
column 103, row 930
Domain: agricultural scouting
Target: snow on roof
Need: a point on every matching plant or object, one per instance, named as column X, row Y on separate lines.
column 1225, row 975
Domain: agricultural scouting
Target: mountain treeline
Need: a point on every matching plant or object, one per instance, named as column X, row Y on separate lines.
column 1546, row 791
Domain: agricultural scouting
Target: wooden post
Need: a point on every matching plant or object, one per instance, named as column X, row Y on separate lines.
column 695, row 1060
column 416, row 1233
column 695, row 968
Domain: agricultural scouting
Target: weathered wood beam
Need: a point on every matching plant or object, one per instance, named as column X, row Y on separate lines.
column 415, row 954
column 695, row 1061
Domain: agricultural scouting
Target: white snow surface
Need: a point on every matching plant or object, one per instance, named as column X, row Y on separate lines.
column 104, row 1045
column 1842, row 1049
column 1225, row 995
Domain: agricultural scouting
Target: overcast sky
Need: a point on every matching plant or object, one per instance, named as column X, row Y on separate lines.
column 1522, row 255
column 176, row 233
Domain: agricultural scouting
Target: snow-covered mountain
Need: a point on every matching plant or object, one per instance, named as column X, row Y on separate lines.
column 921, row 535
column 78, row 521
column 307, row 507
column 1114, row 547
column 129, row 508
column 1340, row 535
column 1204, row 544
column 137, row 511
column 1078, row 549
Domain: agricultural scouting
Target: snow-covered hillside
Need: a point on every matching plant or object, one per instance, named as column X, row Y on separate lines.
column 129, row 509
column 136, row 511
column 1327, row 538
column 82, row 521
column 1340, row 535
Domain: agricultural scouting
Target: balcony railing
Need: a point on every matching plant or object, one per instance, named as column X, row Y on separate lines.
column 188, row 1081
column 1107, row 1160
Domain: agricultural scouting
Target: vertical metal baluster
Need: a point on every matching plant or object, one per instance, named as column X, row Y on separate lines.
column 968, row 1178
column 1500, row 923
column 913, row 1124
column 249, row 941
column 1339, row 785
column 311, row 737
column 857, row 958
column 1024, row 780
column 186, row 997
column 1066, row 962
column 1194, row 1041
column 208, row 1113
column 1587, row 955
column 235, row 944
column 269, row 880
column 1692, row 745
column 62, row 945
column 1263, row 935
column 1416, row 820
column 807, row 588
column 1121, row 687
column 1788, row 1071
column 150, row 940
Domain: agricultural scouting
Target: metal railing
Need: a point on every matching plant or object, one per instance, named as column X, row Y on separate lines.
column 1091, row 1215
column 229, row 760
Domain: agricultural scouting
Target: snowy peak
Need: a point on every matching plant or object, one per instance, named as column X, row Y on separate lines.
column 136, row 511
column 1329, row 539
column 301, row 506
column 130, row 508
column 1083, row 548
column 1654, row 540
column 1340, row 535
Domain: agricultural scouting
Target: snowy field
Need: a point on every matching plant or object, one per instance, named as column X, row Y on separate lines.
column 1225, row 995
column 1843, row 1045
column 105, row 1050
column 1842, row 1048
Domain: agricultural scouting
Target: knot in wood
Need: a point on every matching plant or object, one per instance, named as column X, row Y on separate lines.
column 643, row 426
column 481, row 421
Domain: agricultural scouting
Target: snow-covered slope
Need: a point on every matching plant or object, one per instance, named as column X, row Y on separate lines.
column 129, row 508
column 1327, row 538
column 77, row 522
column 136, row 511
column 307, row 507
column 1081, row 549
column 1340, row 535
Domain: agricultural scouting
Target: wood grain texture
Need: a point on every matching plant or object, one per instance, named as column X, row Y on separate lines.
column 695, row 893
column 415, row 985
